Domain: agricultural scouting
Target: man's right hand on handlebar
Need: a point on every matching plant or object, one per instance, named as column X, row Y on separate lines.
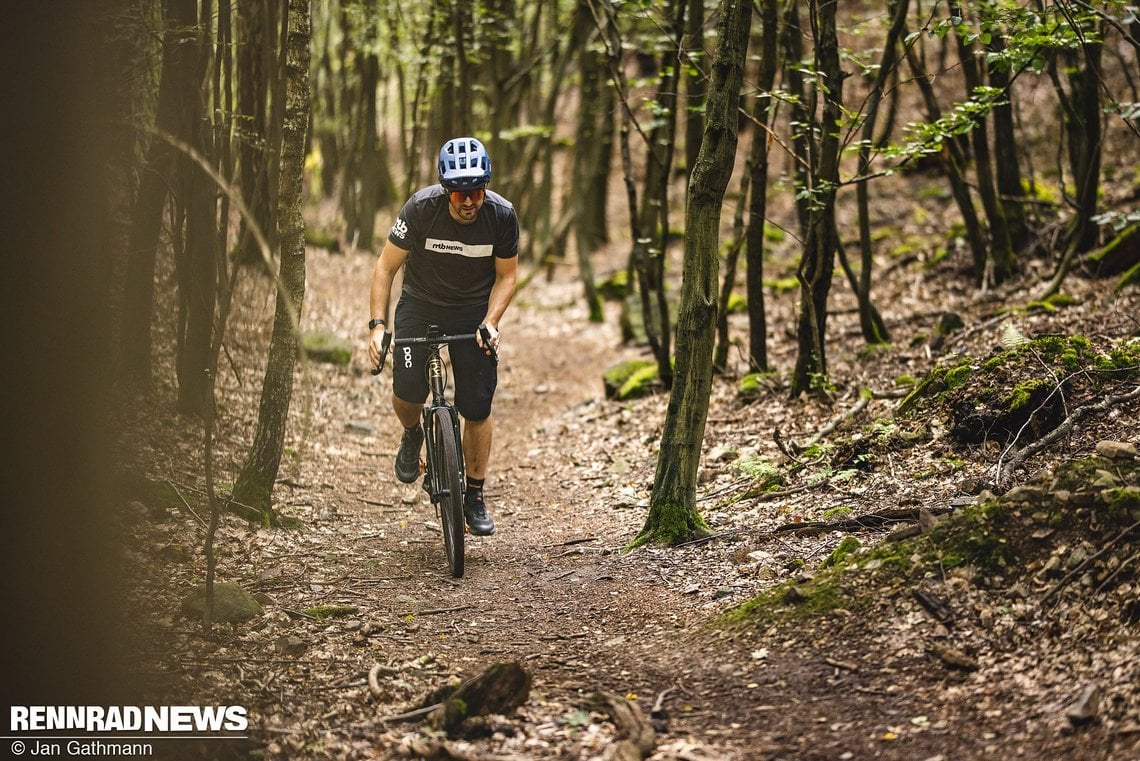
column 378, row 344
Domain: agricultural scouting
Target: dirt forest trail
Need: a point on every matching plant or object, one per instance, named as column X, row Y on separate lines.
column 552, row 588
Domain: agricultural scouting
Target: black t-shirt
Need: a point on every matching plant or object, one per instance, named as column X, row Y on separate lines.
column 450, row 264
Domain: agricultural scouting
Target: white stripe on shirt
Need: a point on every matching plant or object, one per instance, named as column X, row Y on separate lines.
column 462, row 249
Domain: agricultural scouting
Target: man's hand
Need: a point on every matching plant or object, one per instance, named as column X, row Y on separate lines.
column 378, row 343
column 489, row 348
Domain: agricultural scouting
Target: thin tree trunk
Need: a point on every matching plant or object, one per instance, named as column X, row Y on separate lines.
column 720, row 355
column 1008, row 173
column 1000, row 262
column 197, row 278
column 696, row 89
column 758, row 199
column 673, row 515
column 953, row 163
column 818, row 260
column 587, row 154
column 254, row 484
column 253, row 87
column 1083, row 130
column 649, row 253
column 874, row 330
column 154, row 189
column 371, row 179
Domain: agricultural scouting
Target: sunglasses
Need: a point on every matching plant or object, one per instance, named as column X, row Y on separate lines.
column 459, row 196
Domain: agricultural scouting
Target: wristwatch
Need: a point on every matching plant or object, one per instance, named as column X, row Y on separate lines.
column 373, row 323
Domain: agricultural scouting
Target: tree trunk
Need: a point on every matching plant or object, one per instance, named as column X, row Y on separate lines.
column 1081, row 113
column 374, row 185
column 589, row 229
column 696, row 91
column 157, row 179
column 1000, row 262
column 1006, row 168
column 198, row 283
column 649, row 252
column 953, row 164
column 255, row 58
column 758, row 199
column 254, row 484
column 673, row 515
column 720, row 354
column 818, row 260
column 871, row 324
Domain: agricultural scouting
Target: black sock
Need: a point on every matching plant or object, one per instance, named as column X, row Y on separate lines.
column 475, row 484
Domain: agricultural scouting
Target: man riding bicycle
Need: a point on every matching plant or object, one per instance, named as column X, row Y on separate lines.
column 458, row 244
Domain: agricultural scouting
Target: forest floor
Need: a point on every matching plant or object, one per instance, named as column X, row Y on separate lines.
column 555, row 591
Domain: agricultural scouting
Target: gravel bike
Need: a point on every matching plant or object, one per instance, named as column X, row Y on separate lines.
column 445, row 476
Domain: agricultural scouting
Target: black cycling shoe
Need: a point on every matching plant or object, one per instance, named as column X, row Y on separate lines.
column 408, row 458
column 475, row 512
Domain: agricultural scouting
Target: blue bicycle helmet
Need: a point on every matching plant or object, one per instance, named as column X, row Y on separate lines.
column 464, row 164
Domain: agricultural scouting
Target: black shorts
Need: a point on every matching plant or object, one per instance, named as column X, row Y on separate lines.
column 474, row 375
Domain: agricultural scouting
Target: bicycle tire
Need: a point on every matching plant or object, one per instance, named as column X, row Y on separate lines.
column 448, row 453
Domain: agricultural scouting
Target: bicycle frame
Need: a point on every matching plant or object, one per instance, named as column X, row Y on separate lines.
column 437, row 382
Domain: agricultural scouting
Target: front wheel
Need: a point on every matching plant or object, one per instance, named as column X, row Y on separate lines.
column 446, row 445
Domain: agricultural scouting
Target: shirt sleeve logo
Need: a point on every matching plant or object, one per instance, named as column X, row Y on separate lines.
column 400, row 229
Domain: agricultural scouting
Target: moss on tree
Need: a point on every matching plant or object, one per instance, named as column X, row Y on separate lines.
column 670, row 523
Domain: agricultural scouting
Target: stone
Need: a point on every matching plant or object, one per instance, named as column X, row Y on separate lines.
column 1117, row 450
column 321, row 346
column 1104, row 480
column 289, row 644
column 1086, row 708
column 232, row 604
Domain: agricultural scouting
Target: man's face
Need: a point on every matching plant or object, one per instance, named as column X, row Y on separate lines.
column 465, row 204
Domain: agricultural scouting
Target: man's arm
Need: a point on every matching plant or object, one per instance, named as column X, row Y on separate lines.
column 387, row 265
column 506, row 278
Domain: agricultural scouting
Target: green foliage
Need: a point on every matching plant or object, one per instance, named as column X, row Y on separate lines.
column 753, row 384
column 937, row 382
column 321, row 346
column 640, row 384
column 670, row 522
column 1129, row 278
column 617, row 376
column 783, row 285
column 928, row 137
column 790, row 602
column 956, row 376
column 320, row 238
column 849, row 545
column 1023, row 393
column 837, row 512
column 737, row 304
column 765, row 474
column 1051, row 303
column 615, row 287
